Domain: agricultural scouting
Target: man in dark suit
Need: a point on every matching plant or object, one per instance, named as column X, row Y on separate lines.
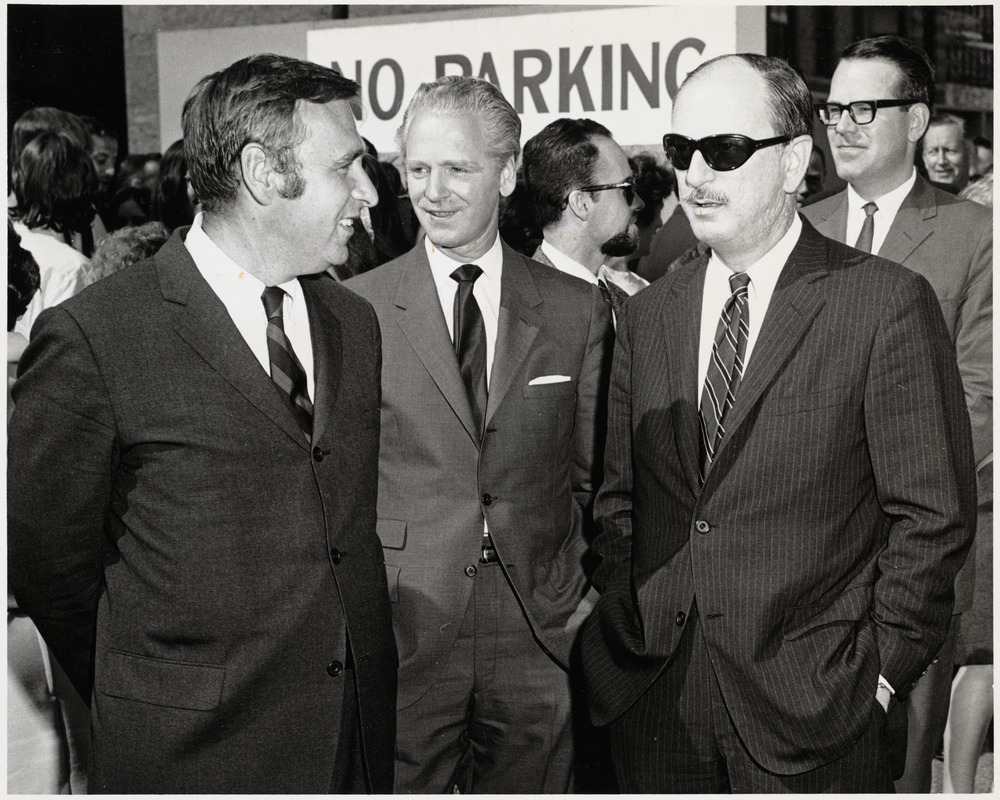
column 582, row 195
column 492, row 392
column 789, row 485
column 193, row 469
column 947, row 240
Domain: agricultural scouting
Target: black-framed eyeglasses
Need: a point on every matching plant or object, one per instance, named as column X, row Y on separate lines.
column 861, row 111
column 627, row 186
column 723, row 152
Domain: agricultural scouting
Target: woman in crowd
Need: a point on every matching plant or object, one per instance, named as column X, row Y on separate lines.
column 174, row 200
column 125, row 247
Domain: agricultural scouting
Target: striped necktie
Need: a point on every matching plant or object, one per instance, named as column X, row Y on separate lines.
column 725, row 368
column 286, row 369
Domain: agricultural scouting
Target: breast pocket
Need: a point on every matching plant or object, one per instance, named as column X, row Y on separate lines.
column 814, row 400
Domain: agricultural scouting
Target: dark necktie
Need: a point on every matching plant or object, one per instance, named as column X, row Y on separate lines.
column 614, row 294
column 470, row 341
column 286, row 370
column 725, row 368
column 867, row 235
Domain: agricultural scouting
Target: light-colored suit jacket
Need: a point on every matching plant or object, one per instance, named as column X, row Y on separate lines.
column 533, row 478
column 823, row 545
column 949, row 241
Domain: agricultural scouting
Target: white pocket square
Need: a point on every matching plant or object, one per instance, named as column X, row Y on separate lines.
column 548, row 379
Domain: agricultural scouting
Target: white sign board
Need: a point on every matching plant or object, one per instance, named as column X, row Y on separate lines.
column 620, row 67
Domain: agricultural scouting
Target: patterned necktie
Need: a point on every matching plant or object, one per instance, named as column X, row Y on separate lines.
column 286, row 370
column 867, row 235
column 470, row 341
column 725, row 368
column 614, row 294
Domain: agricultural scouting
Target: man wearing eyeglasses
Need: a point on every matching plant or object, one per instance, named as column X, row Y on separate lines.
column 788, row 477
column 876, row 115
column 582, row 195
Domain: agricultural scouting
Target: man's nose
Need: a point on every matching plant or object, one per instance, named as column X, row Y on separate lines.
column 699, row 172
column 364, row 189
column 846, row 123
column 436, row 187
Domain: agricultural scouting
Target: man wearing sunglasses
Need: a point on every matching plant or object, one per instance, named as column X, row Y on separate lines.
column 788, row 478
column 582, row 195
column 877, row 112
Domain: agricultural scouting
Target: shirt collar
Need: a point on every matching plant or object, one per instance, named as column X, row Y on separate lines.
column 225, row 275
column 564, row 263
column 490, row 262
column 764, row 273
column 888, row 204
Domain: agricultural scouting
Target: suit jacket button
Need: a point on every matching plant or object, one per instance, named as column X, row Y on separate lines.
column 335, row 555
column 334, row 668
column 317, row 454
column 471, row 570
column 702, row 527
column 487, row 499
column 679, row 619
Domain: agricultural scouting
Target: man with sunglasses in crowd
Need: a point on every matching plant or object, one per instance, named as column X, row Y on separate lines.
column 582, row 195
column 877, row 112
column 789, row 477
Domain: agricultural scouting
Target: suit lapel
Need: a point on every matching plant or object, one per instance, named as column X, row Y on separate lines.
column 796, row 301
column 324, row 330
column 517, row 328
column 681, row 320
column 914, row 222
column 423, row 325
column 834, row 224
column 202, row 321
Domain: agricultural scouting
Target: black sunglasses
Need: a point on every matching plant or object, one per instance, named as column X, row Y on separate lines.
column 723, row 153
column 627, row 186
column 861, row 111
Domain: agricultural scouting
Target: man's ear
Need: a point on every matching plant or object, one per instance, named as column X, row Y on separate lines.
column 580, row 204
column 918, row 118
column 795, row 160
column 508, row 178
column 258, row 175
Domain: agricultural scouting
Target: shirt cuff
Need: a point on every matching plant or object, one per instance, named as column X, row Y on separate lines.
column 883, row 682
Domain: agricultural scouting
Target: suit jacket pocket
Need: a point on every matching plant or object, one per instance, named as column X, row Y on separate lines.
column 545, row 390
column 850, row 606
column 811, row 401
column 391, row 532
column 162, row 682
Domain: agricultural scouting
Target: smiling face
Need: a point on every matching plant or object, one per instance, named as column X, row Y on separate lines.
column 454, row 184
column 945, row 155
column 741, row 213
column 878, row 157
column 312, row 229
column 104, row 153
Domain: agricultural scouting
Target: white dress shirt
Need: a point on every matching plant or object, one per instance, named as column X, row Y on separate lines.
column 486, row 291
column 764, row 276
column 888, row 206
column 60, row 267
column 564, row 263
column 240, row 292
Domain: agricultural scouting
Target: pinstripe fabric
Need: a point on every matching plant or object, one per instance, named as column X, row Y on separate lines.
column 286, row 369
column 823, row 545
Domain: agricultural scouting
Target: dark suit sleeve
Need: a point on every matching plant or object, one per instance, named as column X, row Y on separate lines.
column 588, row 433
column 614, row 501
column 920, row 444
column 974, row 343
column 61, row 451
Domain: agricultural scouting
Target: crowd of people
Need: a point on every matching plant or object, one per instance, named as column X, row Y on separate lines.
column 503, row 468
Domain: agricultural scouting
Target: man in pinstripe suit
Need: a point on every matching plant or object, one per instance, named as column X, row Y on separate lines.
column 777, row 567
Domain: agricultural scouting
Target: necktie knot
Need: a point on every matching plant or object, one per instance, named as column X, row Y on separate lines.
column 869, row 209
column 467, row 273
column 739, row 281
column 273, row 297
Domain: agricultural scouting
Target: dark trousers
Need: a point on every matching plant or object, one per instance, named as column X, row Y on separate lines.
column 679, row 738
column 497, row 718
